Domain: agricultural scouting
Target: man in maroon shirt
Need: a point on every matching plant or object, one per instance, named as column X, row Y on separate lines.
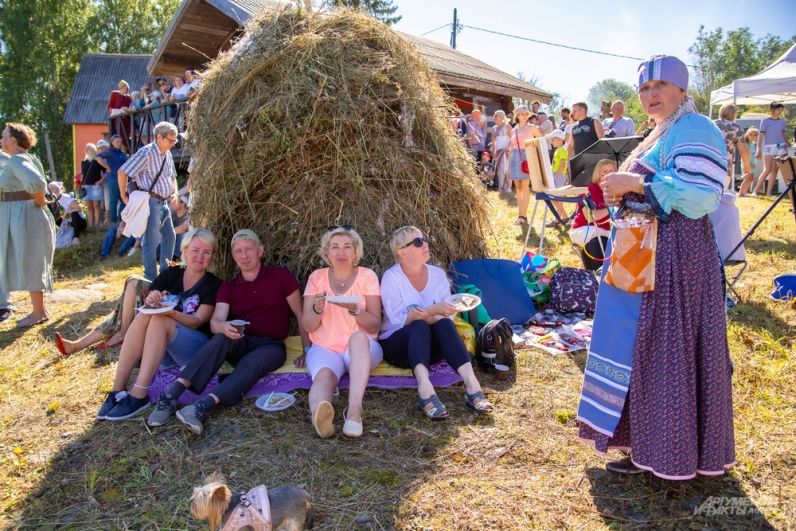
column 262, row 295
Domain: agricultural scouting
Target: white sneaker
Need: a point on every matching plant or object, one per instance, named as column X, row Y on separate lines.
column 132, row 251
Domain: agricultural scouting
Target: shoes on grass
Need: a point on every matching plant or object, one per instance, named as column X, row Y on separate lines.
column 163, row 411
column 128, row 407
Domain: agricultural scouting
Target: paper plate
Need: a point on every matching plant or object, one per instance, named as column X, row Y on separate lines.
column 344, row 299
column 463, row 301
column 275, row 401
column 154, row 311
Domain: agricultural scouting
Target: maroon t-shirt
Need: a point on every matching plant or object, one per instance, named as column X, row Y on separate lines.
column 262, row 302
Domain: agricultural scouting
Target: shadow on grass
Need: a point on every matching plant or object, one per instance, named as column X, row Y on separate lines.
column 756, row 315
column 771, row 246
column 648, row 501
column 124, row 475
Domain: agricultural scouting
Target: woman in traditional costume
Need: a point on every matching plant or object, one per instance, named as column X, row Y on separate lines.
column 657, row 377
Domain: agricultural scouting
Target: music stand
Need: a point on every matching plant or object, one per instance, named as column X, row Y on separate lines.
column 582, row 164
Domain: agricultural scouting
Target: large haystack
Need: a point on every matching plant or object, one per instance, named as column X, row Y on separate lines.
column 319, row 120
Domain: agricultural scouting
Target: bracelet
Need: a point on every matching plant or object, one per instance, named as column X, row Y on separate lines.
column 316, row 311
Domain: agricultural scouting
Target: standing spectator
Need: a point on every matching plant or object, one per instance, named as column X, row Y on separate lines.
column 522, row 132
column 535, row 105
column 476, row 134
column 646, row 128
column 153, row 168
column 605, row 110
column 194, row 83
column 111, row 160
column 501, row 150
column 567, row 122
column 72, row 210
column 119, row 103
column 545, row 125
column 90, row 152
column 170, row 109
column 750, row 139
column 771, row 143
column 92, row 184
column 27, row 231
column 733, row 139
column 180, row 91
column 618, row 125
column 585, row 132
column 560, row 170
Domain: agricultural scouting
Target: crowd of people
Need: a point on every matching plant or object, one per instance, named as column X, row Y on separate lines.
column 664, row 399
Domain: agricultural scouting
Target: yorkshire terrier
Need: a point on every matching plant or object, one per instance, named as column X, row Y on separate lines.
column 285, row 508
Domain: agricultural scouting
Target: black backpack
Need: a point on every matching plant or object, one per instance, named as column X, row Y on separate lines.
column 495, row 345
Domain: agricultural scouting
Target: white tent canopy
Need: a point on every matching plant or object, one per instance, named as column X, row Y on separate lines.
column 775, row 83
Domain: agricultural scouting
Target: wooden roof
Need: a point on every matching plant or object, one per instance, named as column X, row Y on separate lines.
column 98, row 75
column 202, row 28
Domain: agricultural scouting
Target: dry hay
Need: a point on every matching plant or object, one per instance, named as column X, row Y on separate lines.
column 312, row 121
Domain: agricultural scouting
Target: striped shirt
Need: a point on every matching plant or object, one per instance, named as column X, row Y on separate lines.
column 145, row 164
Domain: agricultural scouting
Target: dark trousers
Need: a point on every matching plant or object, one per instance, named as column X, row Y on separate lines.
column 421, row 343
column 253, row 357
column 593, row 248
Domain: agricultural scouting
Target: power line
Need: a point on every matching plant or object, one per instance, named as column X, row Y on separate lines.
column 435, row 29
column 597, row 52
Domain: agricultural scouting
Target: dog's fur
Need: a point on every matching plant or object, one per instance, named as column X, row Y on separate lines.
column 291, row 506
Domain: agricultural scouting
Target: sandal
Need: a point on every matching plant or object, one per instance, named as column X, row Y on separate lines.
column 477, row 402
column 521, row 220
column 432, row 407
column 59, row 343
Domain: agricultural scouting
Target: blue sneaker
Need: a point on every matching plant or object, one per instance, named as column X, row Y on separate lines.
column 113, row 398
column 128, row 407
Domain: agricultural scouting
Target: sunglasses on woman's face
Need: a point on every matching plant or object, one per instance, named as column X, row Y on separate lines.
column 417, row 242
column 335, row 227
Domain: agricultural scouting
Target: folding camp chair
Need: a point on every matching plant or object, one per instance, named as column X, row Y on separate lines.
column 541, row 174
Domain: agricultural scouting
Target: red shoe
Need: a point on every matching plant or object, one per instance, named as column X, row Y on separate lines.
column 59, row 343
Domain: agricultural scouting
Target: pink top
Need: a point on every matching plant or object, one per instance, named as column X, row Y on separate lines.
column 337, row 324
column 524, row 133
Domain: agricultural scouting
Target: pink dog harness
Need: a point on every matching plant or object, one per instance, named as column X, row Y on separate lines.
column 253, row 511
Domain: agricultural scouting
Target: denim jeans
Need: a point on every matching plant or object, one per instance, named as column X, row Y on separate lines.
column 177, row 245
column 5, row 302
column 110, row 238
column 115, row 204
column 159, row 231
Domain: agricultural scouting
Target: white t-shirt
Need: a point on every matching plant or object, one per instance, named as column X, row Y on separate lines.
column 398, row 294
column 181, row 93
column 195, row 84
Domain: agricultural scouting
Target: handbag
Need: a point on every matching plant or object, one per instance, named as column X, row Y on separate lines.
column 524, row 162
column 573, row 290
column 632, row 265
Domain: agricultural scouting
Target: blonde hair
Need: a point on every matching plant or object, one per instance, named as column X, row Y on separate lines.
column 326, row 241
column 398, row 239
column 727, row 111
column 91, row 150
column 751, row 132
column 207, row 237
column 124, row 84
column 210, row 501
column 602, row 163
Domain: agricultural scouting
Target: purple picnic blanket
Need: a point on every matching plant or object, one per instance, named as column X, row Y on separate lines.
column 441, row 375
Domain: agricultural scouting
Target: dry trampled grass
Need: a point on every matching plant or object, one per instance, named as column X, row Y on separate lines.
column 521, row 468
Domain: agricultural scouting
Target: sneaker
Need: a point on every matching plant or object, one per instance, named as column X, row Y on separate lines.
column 128, row 407
column 163, row 411
column 132, row 251
column 193, row 416
column 113, row 398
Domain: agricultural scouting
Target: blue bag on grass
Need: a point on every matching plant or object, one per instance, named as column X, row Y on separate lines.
column 502, row 287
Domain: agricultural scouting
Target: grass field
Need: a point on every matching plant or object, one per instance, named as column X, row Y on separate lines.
column 521, row 468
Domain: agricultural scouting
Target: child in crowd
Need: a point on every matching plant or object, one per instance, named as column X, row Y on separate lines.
column 750, row 137
column 560, row 170
column 591, row 224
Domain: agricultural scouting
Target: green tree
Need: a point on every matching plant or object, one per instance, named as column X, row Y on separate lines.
column 612, row 90
column 383, row 10
column 41, row 44
column 722, row 58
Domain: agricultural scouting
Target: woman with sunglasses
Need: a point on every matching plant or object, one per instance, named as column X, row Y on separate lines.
column 417, row 330
column 343, row 332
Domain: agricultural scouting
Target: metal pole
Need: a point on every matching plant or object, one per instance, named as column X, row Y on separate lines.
column 454, row 29
column 49, row 154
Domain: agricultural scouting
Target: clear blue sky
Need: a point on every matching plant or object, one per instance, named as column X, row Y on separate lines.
column 634, row 28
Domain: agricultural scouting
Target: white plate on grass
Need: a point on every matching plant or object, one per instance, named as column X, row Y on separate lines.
column 463, row 302
column 343, row 299
column 275, row 401
column 154, row 311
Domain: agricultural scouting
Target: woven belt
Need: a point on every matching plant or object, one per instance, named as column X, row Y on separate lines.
column 15, row 196
column 158, row 197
